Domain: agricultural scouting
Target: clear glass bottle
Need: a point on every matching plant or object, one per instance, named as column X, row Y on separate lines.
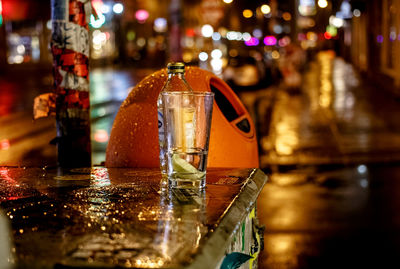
column 176, row 82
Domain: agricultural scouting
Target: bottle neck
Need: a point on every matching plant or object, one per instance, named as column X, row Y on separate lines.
column 177, row 82
column 177, row 75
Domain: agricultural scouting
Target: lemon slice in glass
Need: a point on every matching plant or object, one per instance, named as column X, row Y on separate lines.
column 184, row 169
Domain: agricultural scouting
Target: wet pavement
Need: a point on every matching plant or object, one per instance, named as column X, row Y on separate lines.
column 335, row 118
column 332, row 151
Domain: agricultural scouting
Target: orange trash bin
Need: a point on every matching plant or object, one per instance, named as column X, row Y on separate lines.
column 134, row 134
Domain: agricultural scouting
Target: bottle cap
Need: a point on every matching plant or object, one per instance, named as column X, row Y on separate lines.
column 177, row 67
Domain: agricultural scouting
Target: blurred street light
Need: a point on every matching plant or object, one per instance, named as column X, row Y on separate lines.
column 142, row 15
column 118, row 8
column 160, row 25
column 105, row 9
column 247, row 13
column 253, row 41
column 265, row 9
column 286, row 16
column 246, row 36
column 332, row 30
column 207, row 30
column 216, row 53
column 357, row 13
column 203, row 56
column 335, row 21
column 270, row 40
column 228, row 1
column 322, row 3
column 216, row 36
column 257, row 33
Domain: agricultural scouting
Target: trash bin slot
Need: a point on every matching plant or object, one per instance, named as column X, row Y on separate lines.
column 231, row 107
column 224, row 104
column 244, row 125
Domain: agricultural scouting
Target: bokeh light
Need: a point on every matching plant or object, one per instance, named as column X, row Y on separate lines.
column 203, row 56
column 246, row 36
column 322, row 3
column 270, row 40
column 275, row 54
column 252, row 42
column 97, row 23
column 265, row 9
column 216, row 36
column 286, row 16
column 142, row 15
column 118, row 8
column 217, row 53
column 160, row 25
column 356, row 13
column 247, row 13
column 257, row 33
column 207, row 30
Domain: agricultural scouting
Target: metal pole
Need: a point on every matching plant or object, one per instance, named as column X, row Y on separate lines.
column 70, row 49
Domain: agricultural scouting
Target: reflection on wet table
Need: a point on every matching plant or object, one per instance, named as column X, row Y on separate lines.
column 121, row 217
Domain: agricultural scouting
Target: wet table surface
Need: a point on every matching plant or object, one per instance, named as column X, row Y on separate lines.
column 99, row 217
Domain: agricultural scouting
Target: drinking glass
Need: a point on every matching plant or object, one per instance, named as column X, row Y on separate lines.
column 187, row 121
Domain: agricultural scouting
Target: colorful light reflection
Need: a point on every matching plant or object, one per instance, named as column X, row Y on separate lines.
column 160, row 25
column 284, row 41
column 327, row 35
column 97, row 23
column 252, row 42
column 270, row 40
column 142, row 15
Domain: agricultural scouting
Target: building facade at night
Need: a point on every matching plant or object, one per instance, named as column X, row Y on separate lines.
column 376, row 41
column 148, row 33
